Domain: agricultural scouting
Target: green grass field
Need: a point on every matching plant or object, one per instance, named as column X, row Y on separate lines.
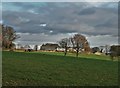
column 53, row 69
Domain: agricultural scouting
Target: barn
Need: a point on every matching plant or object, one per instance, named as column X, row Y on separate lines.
column 49, row 47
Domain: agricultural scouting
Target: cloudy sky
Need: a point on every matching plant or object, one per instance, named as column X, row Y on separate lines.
column 42, row 22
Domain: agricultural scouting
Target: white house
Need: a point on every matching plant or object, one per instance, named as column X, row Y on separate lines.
column 18, row 46
column 105, row 49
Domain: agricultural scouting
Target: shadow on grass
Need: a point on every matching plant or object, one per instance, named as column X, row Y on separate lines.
column 70, row 57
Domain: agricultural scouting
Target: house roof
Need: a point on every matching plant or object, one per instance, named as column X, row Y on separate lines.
column 50, row 44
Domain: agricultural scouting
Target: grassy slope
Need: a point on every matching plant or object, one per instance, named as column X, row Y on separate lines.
column 91, row 56
column 21, row 68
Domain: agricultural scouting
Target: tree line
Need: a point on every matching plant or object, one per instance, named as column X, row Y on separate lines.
column 78, row 43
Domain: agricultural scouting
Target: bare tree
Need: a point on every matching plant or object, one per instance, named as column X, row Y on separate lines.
column 114, row 51
column 64, row 43
column 79, row 42
column 8, row 36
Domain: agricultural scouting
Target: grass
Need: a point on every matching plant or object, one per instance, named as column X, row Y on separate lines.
column 88, row 56
column 49, row 69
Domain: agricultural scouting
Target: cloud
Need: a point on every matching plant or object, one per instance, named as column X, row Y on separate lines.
column 102, row 40
column 42, row 38
column 87, row 11
column 60, row 1
column 61, row 19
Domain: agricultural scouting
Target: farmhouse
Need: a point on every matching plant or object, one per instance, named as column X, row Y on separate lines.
column 105, row 49
column 49, row 47
column 95, row 49
column 18, row 46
